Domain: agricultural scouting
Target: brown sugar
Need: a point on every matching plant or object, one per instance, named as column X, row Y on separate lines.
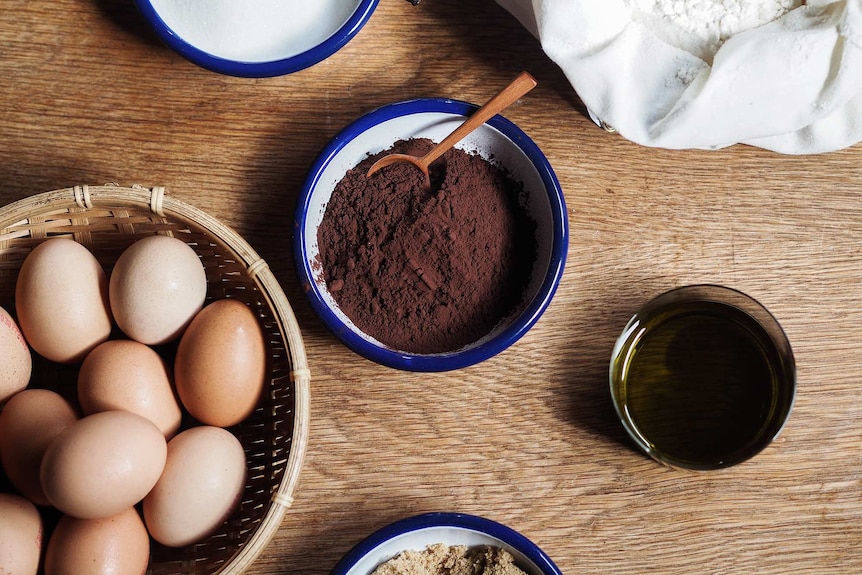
column 427, row 271
column 442, row 559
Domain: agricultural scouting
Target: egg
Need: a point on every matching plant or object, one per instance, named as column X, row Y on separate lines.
column 28, row 424
column 220, row 364
column 123, row 374
column 103, row 464
column 61, row 297
column 157, row 286
column 201, row 485
column 106, row 546
column 16, row 363
column 20, row 535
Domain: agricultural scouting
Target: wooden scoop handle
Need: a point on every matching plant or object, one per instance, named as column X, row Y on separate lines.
column 522, row 84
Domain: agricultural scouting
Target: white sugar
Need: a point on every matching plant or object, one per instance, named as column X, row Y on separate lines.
column 255, row 30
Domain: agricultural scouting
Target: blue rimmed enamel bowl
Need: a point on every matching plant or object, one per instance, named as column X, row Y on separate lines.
column 418, row 532
column 498, row 140
column 259, row 39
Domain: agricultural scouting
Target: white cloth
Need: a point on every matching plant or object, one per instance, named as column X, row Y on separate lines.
column 793, row 86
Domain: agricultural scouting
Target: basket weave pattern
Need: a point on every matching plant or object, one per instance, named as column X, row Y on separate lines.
column 107, row 219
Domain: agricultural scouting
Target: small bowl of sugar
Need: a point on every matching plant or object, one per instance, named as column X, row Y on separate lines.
column 256, row 40
column 445, row 542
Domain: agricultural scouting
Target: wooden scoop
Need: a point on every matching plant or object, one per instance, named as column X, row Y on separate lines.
column 522, row 84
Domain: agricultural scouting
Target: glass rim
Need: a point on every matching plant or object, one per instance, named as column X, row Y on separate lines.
column 773, row 424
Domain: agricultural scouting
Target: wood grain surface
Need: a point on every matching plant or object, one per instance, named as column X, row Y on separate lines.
column 529, row 438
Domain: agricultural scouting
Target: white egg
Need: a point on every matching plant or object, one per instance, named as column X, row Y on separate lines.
column 157, row 286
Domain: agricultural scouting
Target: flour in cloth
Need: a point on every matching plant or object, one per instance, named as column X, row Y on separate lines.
column 702, row 26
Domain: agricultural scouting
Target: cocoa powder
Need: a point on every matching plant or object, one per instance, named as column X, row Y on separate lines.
column 427, row 271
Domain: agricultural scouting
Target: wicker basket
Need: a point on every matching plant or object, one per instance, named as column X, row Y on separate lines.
column 107, row 219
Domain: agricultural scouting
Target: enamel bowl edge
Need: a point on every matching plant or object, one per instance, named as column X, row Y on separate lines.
column 498, row 139
column 419, row 531
column 333, row 39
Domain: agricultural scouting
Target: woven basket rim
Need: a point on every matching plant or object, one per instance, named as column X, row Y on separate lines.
column 15, row 216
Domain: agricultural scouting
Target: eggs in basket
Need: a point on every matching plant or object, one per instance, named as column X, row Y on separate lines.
column 131, row 432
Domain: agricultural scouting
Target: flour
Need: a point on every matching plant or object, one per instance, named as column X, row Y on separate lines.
column 702, row 26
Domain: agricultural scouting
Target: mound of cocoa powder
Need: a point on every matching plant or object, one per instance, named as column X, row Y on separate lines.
column 427, row 271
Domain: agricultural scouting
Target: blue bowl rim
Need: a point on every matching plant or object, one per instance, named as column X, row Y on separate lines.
column 272, row 68
column 446, row 519
column 458, row 358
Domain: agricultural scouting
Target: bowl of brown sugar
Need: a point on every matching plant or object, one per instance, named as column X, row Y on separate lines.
column 432, row 279
column 446, row 544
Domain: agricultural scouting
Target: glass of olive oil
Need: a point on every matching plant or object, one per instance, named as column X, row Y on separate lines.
column 703, row 377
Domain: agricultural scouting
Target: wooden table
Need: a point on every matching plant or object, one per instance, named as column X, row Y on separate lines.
column 528, row 438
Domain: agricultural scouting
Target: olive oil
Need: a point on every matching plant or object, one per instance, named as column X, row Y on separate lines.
column 700, row 382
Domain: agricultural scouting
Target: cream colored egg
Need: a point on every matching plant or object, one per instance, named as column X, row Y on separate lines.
column 103, row 464
column 123, row 374
column 16, row 364
column 157, row 286
column 201, row 485
column 61, row 297
column 28, row 424
column 108, row 546
column 20, row 536
column 220, row 365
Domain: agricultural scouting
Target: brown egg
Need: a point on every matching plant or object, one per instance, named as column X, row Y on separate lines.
column 201, row 485
column 20, row 536
column 108, row 546
column 28, row 424
column 220, row 366
column 61, row 297
column 126, row 375
column 103, row 464
column 157, row 286
column 16, row 365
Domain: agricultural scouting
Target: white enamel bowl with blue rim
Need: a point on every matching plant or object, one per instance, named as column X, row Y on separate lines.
column 499, row 140
column 256, row 39
column 418, row 532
